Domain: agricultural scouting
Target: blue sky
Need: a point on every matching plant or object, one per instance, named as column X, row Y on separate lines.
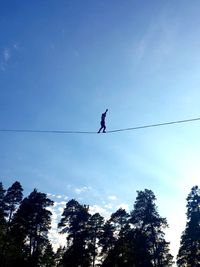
column 62, row 63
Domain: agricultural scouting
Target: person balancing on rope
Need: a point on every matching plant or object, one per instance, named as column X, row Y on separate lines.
column 103, row 125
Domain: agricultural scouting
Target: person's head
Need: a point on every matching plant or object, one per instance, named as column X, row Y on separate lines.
column 106, row 110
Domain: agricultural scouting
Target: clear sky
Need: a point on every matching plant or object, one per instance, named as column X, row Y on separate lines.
column 62, row 63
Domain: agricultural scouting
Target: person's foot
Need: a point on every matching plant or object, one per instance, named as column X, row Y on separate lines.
column 104, row 131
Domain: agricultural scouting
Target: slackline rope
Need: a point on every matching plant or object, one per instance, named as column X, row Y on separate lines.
column 89, row 132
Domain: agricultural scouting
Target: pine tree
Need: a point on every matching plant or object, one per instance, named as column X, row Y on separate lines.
column 138, row 249
column 11, row 200
column 2, row 206
column 120, row 220
column 107, row 241
column 59, row 256
column 95, row 229
column 48, row 257
column 189, row 251
column 74, row 222
column 114, row 247
column 31, row 224
column 2, row 221
column 146, row 218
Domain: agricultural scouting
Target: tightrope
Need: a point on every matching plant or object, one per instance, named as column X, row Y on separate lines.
column 92, row 132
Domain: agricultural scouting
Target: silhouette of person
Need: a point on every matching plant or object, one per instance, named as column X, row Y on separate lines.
column 103, row 125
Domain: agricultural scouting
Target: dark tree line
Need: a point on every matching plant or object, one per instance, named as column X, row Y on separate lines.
column 134, row 239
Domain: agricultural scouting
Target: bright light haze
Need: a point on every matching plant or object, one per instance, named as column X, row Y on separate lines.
column 62, row 63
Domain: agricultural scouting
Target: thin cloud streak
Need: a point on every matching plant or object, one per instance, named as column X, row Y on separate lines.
column 6, row 54
column 112, row 197
column 80, row 190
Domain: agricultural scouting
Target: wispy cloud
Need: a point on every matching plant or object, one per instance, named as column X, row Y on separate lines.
column 83, row 189
column 158, row 41
column 6, row 54
column 59, row 196
column 16, row 46
column 61, row 203
column 4, row 58
column 108, row 206
column 112, row 197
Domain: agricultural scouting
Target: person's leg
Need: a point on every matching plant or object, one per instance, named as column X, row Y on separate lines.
column 104, row 128
column 100, row 129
